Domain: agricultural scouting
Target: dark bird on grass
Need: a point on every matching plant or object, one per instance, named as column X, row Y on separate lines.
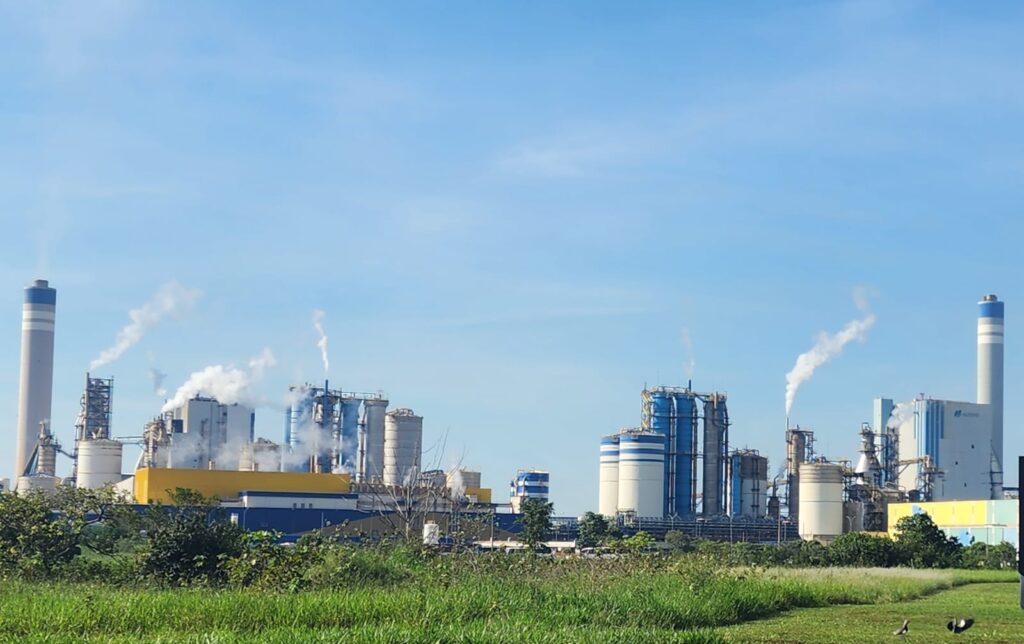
column 903, row 629
column 961, row 625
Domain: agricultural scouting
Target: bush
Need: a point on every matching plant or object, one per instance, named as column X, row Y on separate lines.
column 922, row 544
column 984, row 556
column 190, row 543
column 863, row 550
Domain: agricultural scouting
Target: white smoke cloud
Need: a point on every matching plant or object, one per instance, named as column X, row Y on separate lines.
column 318, row 319
column 901, row 413
column 158, row 377
column 828, row 347
column 456, row 485
column 171, row 299
column 229, row 385
column 691, row 362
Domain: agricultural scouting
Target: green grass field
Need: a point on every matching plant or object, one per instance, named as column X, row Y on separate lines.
column 683, row 605
column 994, row 606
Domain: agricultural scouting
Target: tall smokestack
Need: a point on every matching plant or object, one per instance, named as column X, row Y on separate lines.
column 36, row 386
column 990, row 369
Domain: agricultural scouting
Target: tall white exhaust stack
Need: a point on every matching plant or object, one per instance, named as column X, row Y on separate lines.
column 990, row 370
column 36, row 386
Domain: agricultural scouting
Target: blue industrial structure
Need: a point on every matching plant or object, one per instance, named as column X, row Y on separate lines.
column 674, row 412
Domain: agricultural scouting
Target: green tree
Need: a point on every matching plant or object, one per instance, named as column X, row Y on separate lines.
column 860, row 549
column 536, row 521
column 922, row 544
column 190, row 542
column 679, row 541
column 983, row 555
column 41, row 532
column 593, row 530
column 638, row 542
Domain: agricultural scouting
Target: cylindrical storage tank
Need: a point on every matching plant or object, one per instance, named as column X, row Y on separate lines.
column 642, row 474
column 37, row 483
column 403, row 438
column 681, row 458
column 608, row 477
column 349, row 433
column 821, row 501
column 431, row 534
column 99, row 463
column 464, row 479
column 715, row 444
column 753, row 481
column 374, row 441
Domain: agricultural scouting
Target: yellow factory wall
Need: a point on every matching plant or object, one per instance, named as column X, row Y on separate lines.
column 943, row 513
column 156, row 484
column 482, row 494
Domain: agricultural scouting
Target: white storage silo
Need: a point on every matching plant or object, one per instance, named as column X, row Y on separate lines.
column 37, row 483
column 99, row 463
column 403, row 439
column 642, row 474
column 608, row 486
column 821, row 501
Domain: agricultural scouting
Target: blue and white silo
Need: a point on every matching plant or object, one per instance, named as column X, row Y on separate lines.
column 642, row 473
column 608, row 477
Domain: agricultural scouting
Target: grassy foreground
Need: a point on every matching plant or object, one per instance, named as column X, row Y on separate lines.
column 676, row 605
column 994, row 607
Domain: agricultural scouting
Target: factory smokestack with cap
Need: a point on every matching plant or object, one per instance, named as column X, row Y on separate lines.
column 36, row 384
column 990, row 371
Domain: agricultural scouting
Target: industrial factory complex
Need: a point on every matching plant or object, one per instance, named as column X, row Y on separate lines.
column 353, row 463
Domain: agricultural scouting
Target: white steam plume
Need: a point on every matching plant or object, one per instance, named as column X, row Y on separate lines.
column 171, row 299
column 229, row 385
column 828, row 347
column 456, row 484
column 901, row 413
column 691, row 362
column 318, row 320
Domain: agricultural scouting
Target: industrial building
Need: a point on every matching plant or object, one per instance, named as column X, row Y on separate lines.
column 991, row 522
column 683, row 433
column 346, row 459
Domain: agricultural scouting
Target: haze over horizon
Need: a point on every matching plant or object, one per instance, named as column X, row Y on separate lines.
column 513, row 217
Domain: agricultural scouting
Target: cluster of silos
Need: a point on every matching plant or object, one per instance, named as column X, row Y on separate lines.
column 674, row 413
column 748, row 484
column 333, row 431
column 632, row 473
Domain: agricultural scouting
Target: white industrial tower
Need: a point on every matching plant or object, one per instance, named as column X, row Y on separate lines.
column 36, row 384
column 990, row 374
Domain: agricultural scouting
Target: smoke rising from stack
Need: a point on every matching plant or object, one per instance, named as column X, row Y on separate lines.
column 318, row 319
column 827, row 347
column 171, row 299
column 229, row 385
column 901, row 413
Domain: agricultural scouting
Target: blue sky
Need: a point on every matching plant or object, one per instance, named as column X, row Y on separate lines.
column 510, row 212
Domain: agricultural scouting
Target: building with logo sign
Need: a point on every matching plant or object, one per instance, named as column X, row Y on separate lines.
column 956, row 438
